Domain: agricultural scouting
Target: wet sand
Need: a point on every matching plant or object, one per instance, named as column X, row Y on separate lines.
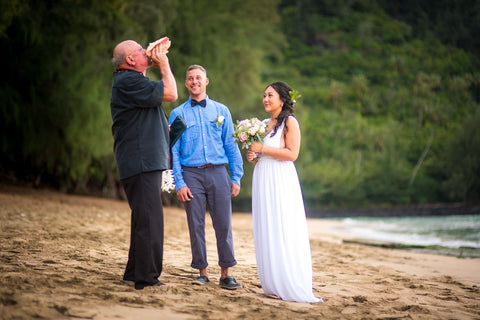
column 63, row 256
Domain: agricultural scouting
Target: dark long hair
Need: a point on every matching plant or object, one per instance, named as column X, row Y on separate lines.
column 283, row 91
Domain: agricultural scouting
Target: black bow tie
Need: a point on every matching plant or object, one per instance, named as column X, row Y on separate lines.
column 203, row 102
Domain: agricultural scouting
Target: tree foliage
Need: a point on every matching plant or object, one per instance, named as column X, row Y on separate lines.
column 381, row 106
column 390, row 97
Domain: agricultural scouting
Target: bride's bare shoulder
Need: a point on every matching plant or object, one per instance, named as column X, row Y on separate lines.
column 292, row 122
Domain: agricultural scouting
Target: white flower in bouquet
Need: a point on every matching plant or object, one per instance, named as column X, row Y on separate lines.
column 168, row 182
column 252, row 131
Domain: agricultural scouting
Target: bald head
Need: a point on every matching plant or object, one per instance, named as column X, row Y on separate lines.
column 122, row 50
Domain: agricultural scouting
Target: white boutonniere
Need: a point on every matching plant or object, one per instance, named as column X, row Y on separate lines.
column 219, row 120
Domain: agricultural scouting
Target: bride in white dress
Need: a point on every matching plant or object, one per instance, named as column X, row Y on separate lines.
column 282, row 245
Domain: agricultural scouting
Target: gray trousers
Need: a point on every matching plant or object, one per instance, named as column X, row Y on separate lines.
column 210, row 186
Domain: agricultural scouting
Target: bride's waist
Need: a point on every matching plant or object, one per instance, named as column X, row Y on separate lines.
column 263, row 157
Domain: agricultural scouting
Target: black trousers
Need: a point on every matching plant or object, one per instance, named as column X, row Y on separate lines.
column 145, row 256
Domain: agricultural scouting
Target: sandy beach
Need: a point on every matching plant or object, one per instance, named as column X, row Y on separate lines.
column 63, row 256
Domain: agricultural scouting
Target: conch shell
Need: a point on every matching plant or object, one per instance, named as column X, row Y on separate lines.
column 164, row 44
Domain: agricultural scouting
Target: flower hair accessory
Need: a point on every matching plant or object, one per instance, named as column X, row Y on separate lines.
column 294, row 95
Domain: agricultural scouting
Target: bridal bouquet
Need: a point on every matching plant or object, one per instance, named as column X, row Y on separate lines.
column 168, row 183
column 248, row 131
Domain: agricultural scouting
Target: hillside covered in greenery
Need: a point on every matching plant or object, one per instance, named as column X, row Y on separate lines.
column 390, row 90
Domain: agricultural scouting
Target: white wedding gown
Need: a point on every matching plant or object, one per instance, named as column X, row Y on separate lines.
column 282, row 245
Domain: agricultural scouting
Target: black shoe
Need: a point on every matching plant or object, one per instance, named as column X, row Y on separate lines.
column 141, row 285
column 229, row 283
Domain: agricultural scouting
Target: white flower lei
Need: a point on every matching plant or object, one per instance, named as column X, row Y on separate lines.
column 168, row 182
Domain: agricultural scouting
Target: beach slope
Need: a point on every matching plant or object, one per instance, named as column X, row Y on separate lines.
column 63, row 256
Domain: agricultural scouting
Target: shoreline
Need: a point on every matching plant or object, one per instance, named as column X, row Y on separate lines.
column 429, row 209
column 340, row 226
column 462, row 252
column 332, row 231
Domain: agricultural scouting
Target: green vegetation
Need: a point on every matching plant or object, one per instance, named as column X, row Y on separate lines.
column 390, row 101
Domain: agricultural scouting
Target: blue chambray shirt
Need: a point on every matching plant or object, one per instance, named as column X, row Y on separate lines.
column 204, row 141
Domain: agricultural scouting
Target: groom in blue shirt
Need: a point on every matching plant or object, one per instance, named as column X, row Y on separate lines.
column 201, row 178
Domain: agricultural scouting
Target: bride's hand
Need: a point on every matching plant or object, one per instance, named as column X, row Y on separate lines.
column 255, row 147
column 251, row 156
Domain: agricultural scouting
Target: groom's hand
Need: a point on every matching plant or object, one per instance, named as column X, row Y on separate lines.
column 184, row 194
column 235, row 189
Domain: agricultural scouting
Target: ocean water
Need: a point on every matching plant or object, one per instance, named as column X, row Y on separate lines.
column 455, row 231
